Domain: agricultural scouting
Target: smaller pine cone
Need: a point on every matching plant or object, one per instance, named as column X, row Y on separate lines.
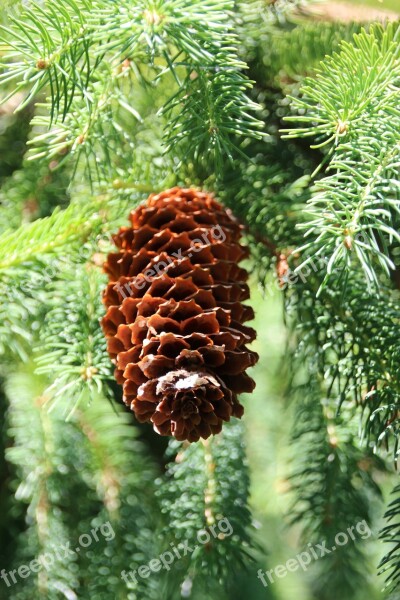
column 174, row 321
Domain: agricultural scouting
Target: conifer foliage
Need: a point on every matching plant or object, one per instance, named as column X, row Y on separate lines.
column 262, row 134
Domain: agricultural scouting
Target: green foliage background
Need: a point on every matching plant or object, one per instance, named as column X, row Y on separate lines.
column 310, row 473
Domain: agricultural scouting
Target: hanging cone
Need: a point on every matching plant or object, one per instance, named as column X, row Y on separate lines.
column 174, row 321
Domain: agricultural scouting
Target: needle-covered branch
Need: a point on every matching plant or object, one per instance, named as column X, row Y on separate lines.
column 351, row 109
column 79, row 53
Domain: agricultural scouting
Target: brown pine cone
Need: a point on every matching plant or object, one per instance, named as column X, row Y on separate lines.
column 174, row 320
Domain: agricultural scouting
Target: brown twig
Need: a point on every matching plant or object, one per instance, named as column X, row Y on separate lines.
column 282, row 265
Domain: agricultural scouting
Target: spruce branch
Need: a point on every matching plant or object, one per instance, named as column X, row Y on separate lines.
column 78, row 476
column 79, row 57
column 45, row 237
column 48, row 47
column 32, row 192
column 205, row 124
column 268, row 198
column 333, row 489
column 30, row 258
column 333, row 334
column 355, row 206
column 205, row 484
column 38, row 254
column 93, row 131
column 119, row 474
column 38, row 457
column 18, row 308
column 390, row 563
column 72, row 350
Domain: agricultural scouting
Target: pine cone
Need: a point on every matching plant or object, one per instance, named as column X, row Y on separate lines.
column 174, row 320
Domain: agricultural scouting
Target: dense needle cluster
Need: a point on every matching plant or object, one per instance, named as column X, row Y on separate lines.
column 175, row 314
